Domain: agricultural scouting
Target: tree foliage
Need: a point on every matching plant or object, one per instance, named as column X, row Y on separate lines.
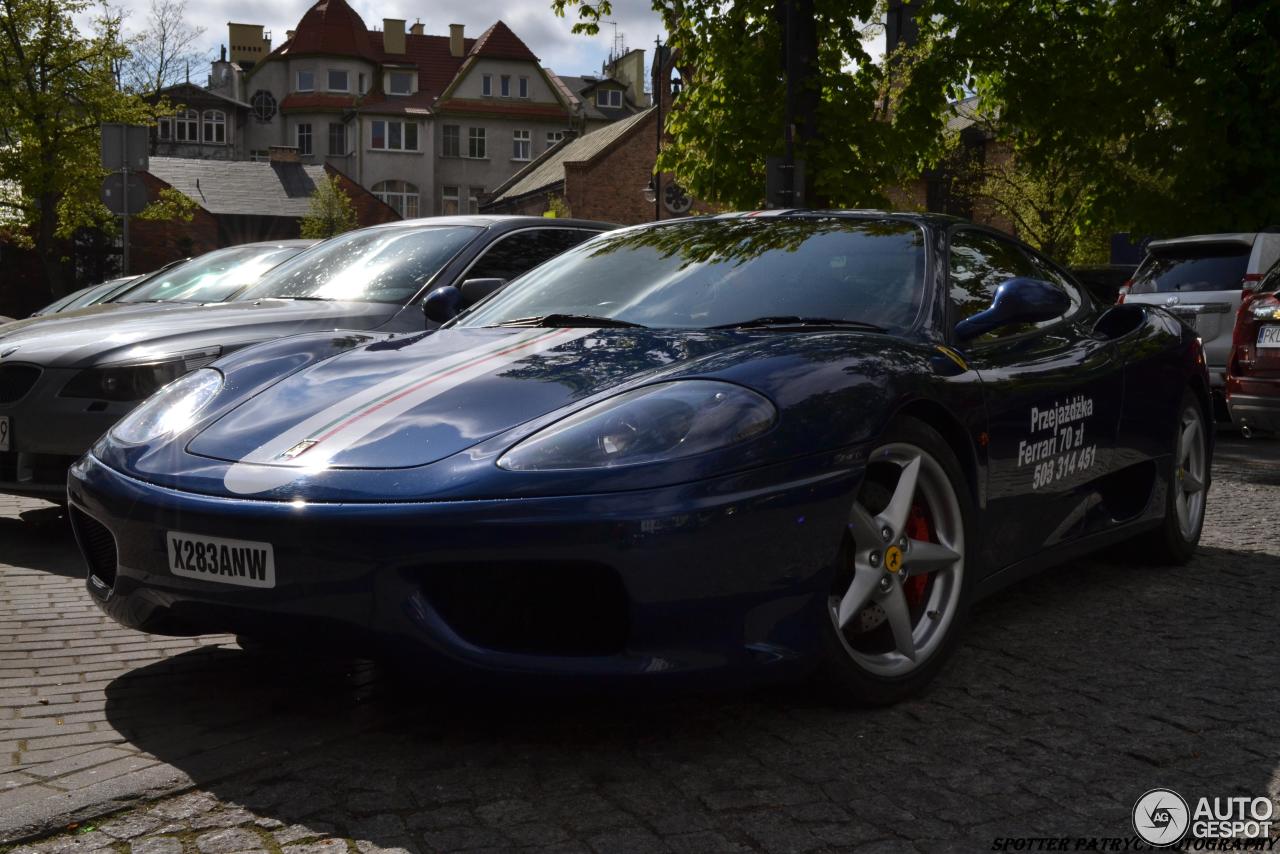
column 1170, row 107
column 729, row 116
column 170, row 205
column 56, row 86
column 331, row 212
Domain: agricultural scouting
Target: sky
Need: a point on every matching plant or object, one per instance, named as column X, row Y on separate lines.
column 548, row 36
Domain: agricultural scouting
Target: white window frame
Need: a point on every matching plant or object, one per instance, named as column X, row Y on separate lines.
column 391, row 75
column 446, row 197
column 504, row 85
column 345, row 146
column 486, row 85
column 554, row 136
column 522, row 145
column 186, row 126
column 164, row 129
column 386, row 135
column 524, row 87
column 402, row 196
column 609, row 98
column 346, row 76
column 474, row 135
column 216, row 121
column 444, row 140
column 473, row 199
column 304, row 150
column 297, row 81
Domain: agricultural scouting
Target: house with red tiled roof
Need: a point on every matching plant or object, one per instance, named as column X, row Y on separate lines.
column 428, row 123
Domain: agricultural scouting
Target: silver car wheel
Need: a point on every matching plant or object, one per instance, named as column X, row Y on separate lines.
column 1189, row 470
column 892, row 559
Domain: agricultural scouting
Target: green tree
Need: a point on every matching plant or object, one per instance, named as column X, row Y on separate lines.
column 855, row 139
column 331, row 212
column 56, row 86
column 170, row 205
column 1171, row 107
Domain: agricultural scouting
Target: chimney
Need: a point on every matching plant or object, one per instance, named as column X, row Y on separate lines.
column 457, row 44
column 289, row 34
column 249, row 43
column 393, row 35
column 283, row 154
column 417, row 28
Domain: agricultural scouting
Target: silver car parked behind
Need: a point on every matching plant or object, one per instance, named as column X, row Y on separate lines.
column 1202, row 280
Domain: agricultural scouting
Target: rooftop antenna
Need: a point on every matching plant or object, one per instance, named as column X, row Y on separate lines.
column 619, row 44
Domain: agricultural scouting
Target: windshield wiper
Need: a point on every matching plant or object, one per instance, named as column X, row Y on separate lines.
column 572, row 320
column 784, row 320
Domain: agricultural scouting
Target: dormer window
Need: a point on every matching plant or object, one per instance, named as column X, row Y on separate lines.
column 609, row 98
column 338, row 81
column 306, row 81
column 400, row 83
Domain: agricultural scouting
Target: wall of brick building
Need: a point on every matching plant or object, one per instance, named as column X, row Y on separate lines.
column 370, row 210
column 154, row 244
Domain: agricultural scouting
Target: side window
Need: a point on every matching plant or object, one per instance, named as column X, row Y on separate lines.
column 1050, row 273
column 979, row 263
column 525, row 250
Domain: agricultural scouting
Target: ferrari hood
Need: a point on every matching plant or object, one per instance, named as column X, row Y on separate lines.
column 406, row 402
column 105, row 334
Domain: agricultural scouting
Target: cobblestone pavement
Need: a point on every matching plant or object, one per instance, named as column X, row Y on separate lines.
column 1073, row 694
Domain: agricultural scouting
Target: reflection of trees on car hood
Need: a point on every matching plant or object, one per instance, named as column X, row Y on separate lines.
column 739, row 240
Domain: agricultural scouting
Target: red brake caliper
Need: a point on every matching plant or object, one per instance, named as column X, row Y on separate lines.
column 918, row 527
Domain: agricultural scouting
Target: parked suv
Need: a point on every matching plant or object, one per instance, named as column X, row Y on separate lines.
column 1202, row 279
column 1253, row 373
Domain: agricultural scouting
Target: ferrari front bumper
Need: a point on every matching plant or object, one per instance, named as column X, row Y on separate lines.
column 727, row 574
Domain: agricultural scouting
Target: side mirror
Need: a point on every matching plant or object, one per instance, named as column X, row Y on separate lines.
column 1018, row 300
column 442, row 303
column 474, row 290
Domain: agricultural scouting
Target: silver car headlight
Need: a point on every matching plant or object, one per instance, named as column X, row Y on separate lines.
column 661, row 422
column 171, row 410
column 138, row 380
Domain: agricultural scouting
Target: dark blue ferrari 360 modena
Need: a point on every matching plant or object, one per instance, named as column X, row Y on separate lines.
column 789, row 443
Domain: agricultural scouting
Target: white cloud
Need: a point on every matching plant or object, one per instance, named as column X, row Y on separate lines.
column 533, row 21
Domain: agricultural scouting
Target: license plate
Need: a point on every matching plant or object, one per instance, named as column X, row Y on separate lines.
column 243, row 562
column 1269, row 336
column 5, row 432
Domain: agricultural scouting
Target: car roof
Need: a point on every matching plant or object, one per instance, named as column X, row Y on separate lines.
column 281, row 244
column 511, row 221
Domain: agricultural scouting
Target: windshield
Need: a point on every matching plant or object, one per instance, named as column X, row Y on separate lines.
column 388, row 264
column 705, row 273
column 213, row 277
column 1213, row 267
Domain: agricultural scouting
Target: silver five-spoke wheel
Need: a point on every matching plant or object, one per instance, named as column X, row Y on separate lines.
column 907, row 557
column 1189, row 469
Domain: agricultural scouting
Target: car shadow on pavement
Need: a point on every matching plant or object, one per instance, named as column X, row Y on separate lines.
column 41, row 539
column 1072, row 694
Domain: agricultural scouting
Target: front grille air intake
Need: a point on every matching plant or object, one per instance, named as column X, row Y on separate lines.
column 16, row 381
column 98, row 545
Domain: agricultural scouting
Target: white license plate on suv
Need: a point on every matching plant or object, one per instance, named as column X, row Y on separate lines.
column 1269, row 336
column 243, row 562
column 6, row 432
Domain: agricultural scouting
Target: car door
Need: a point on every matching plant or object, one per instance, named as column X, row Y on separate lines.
column 1052, row 392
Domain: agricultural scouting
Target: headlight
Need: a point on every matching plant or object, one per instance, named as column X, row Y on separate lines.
column 666, row 421
column 171, row 411
column 124, row 383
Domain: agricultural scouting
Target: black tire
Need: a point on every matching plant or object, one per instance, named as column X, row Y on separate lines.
column 1169, row 544
column 841, row 678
